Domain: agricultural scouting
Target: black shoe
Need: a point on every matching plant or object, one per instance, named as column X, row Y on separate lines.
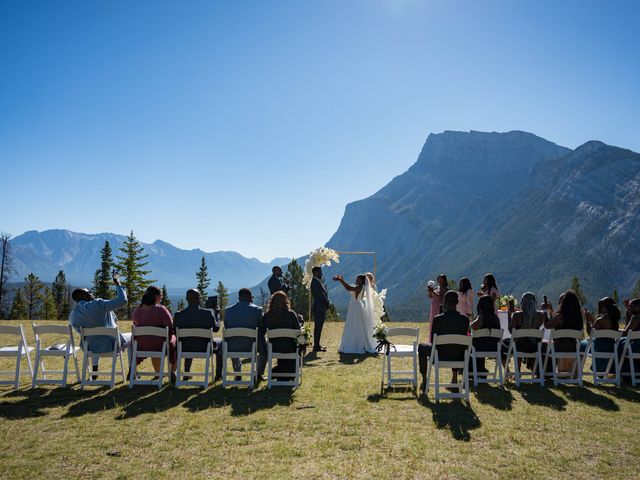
column 319, row 348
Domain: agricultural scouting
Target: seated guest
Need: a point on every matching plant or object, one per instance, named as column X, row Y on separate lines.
column 608, row 319
column 151, row 314
column 195, row 316
column 529, row 317
column 465, row 297
column 96, row 312
column 448, row 323
column 246, row 315
column 280, row 315
column 567, row 317
column 276, row 283
column 632, row 318
column 486, row 318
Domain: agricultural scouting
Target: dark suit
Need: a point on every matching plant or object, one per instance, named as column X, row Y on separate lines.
column 319, row 308
column 282, row 345
column 276, row 284
column 196, row 317
column 451, row 322
column 246, row 315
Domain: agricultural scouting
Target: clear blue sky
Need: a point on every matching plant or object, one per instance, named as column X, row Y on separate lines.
column 248, row 126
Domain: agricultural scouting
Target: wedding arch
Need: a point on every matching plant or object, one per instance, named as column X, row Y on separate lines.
column 348, row 253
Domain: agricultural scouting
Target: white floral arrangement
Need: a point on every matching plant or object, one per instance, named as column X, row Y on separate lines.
column 304, row 336
column 503, row 301
column 320, row 257
column 380, row 332
column 378, row 303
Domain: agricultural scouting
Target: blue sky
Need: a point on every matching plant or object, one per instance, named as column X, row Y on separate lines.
column 249, row 126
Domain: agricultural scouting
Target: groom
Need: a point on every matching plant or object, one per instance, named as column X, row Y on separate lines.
column 319, row 307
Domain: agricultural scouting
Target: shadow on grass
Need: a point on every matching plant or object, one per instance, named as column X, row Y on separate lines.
column 157, row 401
column 541, row 395
column 34, row 401
column 103, row 399
column 410, row 394
column 241, row 400
column 354, row 359
column 588, row 396
column 624, row 392
column 497, row 397
column 455, row 415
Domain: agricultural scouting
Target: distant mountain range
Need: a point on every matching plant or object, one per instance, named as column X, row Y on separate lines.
column 78, row 254
column 533, row 213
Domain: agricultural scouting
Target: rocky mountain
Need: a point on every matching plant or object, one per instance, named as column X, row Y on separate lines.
column 78, row 254
column 533, row 213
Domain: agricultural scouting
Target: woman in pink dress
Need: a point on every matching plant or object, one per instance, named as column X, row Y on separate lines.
column 436, row 294
column 466, row 298
column 151, row 314
column 489, row 287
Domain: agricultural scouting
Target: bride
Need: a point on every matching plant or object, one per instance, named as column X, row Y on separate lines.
column 357, row 336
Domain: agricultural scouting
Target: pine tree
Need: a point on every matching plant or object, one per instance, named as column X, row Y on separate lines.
column 223, row 298
column 202, row 277
column 575, row 286
column 102, row 279
column 180, row 306
column 59, row 290
column 131, row 265
column 18, row 307
column 615, row 297
column 96, row 281
column 48, row 309
column 636, row 290
column 165, row 298
column 6, row 268
column 298, row 291
column 33, row 293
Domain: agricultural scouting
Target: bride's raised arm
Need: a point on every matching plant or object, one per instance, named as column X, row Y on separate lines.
column 351, row 288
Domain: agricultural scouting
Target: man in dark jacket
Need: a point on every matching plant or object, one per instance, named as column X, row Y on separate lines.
column 276, row 283
column 319, row 307
column 195, row 316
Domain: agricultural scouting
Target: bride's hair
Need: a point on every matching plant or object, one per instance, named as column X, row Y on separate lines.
column 279, row 304
column 361, row 280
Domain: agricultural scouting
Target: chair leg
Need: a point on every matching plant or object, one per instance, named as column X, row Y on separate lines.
column 65, row 370
column 35, row 370
column 84, row 370
column 75, row 362
column 437, row 383
column 475, row 369
column 16, row 383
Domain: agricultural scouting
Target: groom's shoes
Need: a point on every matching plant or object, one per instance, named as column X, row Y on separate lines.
column 319, row 348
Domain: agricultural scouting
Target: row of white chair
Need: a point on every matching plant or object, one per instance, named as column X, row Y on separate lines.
column 535, row 375
column 68, row 351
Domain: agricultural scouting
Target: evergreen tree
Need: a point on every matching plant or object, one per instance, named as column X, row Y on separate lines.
column 131, row 265
column 48, row 309
column 102, row 280
column 180, row 306
column 223, row 298
column 18, row 307
column 636, row 290
column 575, row 286
column 263, row 298
column 165, row 298
column 615, row 297
column 96, row 281
column 33, row 293
column 60, row 292
column 202, row 277
column 332, row 314
column 6, row 268
column 298, row 291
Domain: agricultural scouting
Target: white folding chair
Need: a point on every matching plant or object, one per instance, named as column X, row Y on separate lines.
column 517, row 355
column 487, row 377
column 600, row 377
column 296, row 376
column 436, row 364
column 227, row 355
column 66, row 349
column 87, row 361
column 401, row 351
column 157, row 377
column 575, row 375
column 631, row 355
column 16, row 352
column 182, row 333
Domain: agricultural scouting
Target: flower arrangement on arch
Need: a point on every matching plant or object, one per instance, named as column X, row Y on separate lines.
column 503, row 301
column 320, row 257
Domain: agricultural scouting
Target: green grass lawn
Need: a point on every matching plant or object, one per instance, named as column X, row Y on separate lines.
column 336, row 425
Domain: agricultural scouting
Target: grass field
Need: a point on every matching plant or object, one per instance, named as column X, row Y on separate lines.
column 336, row 425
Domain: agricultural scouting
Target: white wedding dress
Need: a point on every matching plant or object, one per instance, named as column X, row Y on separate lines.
column 357, row 336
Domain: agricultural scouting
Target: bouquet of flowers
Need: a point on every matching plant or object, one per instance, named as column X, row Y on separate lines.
column 380, row 334
column 319, row 257
column 303, row 339
column 503, row 301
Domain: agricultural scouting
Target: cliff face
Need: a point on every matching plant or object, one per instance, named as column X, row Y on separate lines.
column 533, row 213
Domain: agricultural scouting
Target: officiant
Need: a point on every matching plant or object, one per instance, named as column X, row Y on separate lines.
column 276, row 282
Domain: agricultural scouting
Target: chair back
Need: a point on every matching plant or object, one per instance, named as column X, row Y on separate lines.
column 453, row 339
column 633, row 335
column 528, row 333
column 612, row 334
column 150, row 332
column 487, row 333
column 99, row 332
column 240, row 332
column 194, row 333
column 566, row 333
column 283, row 333
column 51, row 329
column 403, row 332
column 11, row 330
